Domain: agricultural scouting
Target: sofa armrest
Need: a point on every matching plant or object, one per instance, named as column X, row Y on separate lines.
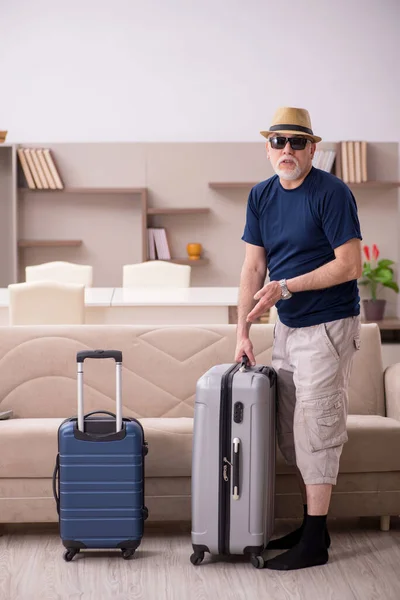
column 392, row 391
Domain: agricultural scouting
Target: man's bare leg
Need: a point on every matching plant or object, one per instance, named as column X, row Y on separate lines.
column 318, row 498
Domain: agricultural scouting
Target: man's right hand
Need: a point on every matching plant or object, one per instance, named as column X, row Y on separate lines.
column 244, row 346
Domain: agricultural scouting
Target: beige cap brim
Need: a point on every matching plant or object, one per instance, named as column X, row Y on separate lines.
column 314, row 138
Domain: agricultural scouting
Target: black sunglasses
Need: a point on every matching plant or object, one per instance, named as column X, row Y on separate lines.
column 296, row 143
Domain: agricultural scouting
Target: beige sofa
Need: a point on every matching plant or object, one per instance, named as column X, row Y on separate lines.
column 160, row 369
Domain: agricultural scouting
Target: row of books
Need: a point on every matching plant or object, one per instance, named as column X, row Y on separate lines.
column 158, row 244
column 324, row 159
column 353, row 166
column 39, row 169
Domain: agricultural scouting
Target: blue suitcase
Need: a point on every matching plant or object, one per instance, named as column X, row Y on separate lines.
column 98, row 480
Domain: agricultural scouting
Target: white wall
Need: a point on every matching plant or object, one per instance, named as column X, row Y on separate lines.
column 211, row 70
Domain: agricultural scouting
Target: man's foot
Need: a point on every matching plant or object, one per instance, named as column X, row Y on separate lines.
column 291, row 539
column 299, row 557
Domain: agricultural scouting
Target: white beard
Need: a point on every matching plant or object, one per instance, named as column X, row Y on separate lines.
column 288, row 175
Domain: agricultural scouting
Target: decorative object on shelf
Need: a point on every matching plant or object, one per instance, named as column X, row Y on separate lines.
column 194, row 250
column 3, row 135
column 39, row 169
column 376, row 273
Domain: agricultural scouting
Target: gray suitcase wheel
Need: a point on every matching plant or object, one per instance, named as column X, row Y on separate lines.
column 197, row 558
column 257, row 561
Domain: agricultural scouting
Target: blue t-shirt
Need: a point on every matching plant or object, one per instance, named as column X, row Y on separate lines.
column 299, row 230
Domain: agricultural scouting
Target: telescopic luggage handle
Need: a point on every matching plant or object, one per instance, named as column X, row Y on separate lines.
column 117, row 356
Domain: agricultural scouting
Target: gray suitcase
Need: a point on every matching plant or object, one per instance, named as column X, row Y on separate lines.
column 233, row 464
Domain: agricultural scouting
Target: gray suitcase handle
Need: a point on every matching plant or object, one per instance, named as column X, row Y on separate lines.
column 236, row 469
column 117, row 356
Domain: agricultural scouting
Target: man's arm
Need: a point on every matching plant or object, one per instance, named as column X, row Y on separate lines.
column 346, row 266
column 252, row 278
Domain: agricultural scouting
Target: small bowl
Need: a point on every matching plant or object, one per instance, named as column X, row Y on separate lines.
column 3, row 135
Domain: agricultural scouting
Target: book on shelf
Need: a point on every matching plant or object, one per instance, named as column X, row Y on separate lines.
column 53, row 169
column 324, row 159
column 46, row 169
column 158, row 247
column 354, row 161
column 32, row 168
column 39, row 169
column 25, row 169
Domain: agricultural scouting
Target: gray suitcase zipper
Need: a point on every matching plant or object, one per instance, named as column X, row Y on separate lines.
column 225, row 427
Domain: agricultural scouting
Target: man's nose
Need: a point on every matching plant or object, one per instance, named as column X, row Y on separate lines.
column 288, row 148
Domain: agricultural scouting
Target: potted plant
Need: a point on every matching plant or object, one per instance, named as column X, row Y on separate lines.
column 376, row 274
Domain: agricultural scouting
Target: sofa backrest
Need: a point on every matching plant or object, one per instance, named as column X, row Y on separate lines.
column 161, row 365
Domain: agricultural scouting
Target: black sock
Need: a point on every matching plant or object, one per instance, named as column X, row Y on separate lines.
column 310, row 551
column 293, row 538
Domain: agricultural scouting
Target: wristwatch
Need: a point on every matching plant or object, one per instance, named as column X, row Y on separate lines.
column 284, row 288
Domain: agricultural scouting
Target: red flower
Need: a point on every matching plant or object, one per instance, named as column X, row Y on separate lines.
column 366, row 252
column 375, row 252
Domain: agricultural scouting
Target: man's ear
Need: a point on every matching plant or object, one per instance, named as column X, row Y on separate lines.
column 313, row 149
column 267, row 149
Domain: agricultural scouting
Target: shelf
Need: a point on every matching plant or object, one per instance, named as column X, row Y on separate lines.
column 239, row 185
column 186, row 261
column 44, row 243
column 375, row 184
column 391, row 323
column 177, row 211
column 86, row 190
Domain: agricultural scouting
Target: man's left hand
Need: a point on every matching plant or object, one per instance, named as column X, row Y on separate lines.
column 268, row 296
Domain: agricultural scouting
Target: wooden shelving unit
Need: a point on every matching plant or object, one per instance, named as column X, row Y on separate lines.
column 86, row 190
column 48, row 243
column 134, row 191
column 239, row 185
column 167, row 211
column 177, row 211
column 231, row 185
column 147, row 212
column 375, row 184
column 187, row 261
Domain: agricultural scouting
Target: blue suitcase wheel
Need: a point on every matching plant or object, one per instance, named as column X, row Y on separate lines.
column 70, row 553
column 127, row 553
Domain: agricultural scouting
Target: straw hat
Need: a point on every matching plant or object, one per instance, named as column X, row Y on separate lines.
column 292, row 120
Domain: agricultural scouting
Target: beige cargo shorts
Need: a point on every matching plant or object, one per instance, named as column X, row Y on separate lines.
column 313, row 365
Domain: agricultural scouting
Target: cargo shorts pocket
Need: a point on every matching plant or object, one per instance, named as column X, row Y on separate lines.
column 325, row 421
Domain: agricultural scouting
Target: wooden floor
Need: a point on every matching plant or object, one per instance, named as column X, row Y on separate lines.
column 364, row 564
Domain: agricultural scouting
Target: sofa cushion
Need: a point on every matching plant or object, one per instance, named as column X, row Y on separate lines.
column 373, row 446
column 28, row 447
column 170, row 447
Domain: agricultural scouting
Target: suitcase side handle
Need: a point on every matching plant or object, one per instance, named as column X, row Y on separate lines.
column 84, row 354
column 56, row 493
column 236, row 469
